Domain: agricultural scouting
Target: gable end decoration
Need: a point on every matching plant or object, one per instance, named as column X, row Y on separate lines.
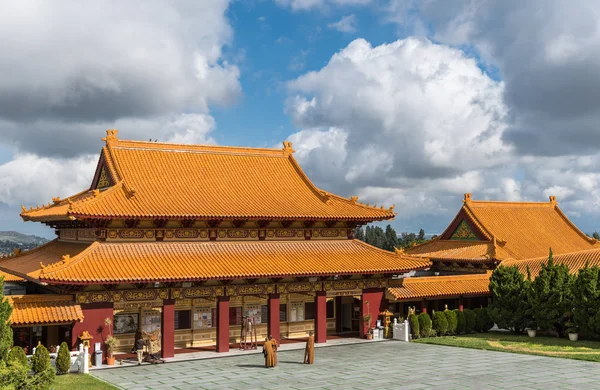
column 463, row 232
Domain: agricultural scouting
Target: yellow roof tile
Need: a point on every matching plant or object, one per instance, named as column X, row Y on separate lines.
column 44, row 310
column 27, row 264
column 521, row 230
column 441, row 286
column 180, row 261
column 575, row 261
column 159, row 180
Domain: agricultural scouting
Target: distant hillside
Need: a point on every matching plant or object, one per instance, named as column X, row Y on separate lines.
column 10, row 240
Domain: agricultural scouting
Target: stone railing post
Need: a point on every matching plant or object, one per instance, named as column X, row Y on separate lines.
column 86, row 366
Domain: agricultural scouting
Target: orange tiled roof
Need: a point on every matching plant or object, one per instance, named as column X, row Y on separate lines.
column 520, row 229
column 105, row 262
column 26, row 265
column 159, row 180
column 44, row 309
column 441, row 286
column 11, row 278
column 575, row 261
column 472, row 251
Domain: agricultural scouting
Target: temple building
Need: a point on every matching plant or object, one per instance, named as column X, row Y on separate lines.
column 483, row 235
column 192, row 240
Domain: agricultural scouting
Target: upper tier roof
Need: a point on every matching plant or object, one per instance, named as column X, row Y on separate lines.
column 136, row 262
column 441, row 286
column 159, row 180
column 502, row 230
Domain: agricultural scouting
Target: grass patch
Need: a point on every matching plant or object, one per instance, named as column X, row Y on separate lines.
column 80, row 381
column 506, row 342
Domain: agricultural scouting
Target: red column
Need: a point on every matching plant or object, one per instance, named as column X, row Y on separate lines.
column 424, row 306
column 460, row 304
column 374, row 297
column 95, row 314
column 167, row 329
column 320, row 317
column 338, row 314
column 274, row 304
column 223, row 324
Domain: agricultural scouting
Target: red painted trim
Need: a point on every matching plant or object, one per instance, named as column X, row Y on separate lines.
column 273, row 326
column 320, row 317
column 223, row 324
column 167, row 328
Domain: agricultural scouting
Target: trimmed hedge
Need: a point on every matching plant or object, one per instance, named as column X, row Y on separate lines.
column 452, row 321
column 483, row 322
column 469, row 321
column 424, row 325
column 460, row 321
column 413, row 321
column 40, row 361
column 63, row 360
column 440, row 323
column 17, row 355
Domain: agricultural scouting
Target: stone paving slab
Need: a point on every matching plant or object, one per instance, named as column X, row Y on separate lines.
column 389, row 364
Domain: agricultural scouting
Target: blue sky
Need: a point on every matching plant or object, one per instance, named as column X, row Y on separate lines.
column 412, row 103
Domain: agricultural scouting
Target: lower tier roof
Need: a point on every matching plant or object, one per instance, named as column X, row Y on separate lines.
column 136, row 262
column 48, row 309
column 441, row 286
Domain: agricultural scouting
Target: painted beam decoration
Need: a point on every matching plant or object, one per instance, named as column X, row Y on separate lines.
column 250, row 289
column 122, row 296
column 197, row 292
column 302, row 287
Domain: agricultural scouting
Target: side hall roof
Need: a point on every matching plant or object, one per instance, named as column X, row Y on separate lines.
column 518, row 230
column 575, row 261
column 440, row 286
column 114, row 263
column 45, row 309
column 150, row 180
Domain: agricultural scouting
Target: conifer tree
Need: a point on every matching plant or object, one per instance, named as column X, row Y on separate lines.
column 6, row 333
column 359, row 234
column 391, row 239
column 550, row 294
column 510, row 306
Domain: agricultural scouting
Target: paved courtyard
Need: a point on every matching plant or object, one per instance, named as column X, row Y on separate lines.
column 379, row 365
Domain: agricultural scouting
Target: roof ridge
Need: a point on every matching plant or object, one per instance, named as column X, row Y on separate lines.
column 478, row 223
column 97, row 196
column 583, row 251
column 397, row 252
column 591, row 240
column 451, row 278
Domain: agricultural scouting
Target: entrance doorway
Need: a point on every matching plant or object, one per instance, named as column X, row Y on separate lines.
column 350, row 315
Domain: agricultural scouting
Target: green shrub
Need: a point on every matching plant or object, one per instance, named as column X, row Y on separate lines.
column 40, row 361
column 487, row 322
column 452, row 321
column 424, row 325
column 13, row 375
column 413, row 321
column 460, row 321
column 478, row 321
column 63, row 360
column 440, row 323
column 40, row 381
column 17, row 355
column 469, row 321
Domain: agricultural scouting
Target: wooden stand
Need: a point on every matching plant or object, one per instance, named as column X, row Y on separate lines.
column 248, row 332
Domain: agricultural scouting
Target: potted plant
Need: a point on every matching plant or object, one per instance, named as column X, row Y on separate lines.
column 572, row 330
column 111, row 343
column 367, row 321
column 531, row 328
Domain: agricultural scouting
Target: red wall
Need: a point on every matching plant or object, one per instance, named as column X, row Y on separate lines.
column 375, row 298
column 93, row 321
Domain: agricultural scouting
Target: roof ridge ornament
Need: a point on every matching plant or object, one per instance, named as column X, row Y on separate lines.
column 56, row 200
column 552, row 200
column 111, row 135
column 399, row 251
column 467, row 198
column 287, row 148
column 354, row 199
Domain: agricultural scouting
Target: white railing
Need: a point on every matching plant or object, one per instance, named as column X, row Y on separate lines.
column 79, row 360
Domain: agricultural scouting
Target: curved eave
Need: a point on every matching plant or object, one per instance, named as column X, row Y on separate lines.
column 231, row 277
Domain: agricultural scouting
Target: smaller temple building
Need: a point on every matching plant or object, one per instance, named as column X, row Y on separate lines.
column 483, row 235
